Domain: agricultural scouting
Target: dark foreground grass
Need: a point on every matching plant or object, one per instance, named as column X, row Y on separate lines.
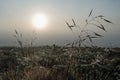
column 57, row 63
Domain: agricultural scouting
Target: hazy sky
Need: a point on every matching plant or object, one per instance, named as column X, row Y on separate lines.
column 18, row 14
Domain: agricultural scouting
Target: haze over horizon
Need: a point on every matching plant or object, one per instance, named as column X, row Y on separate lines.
column 18, row 15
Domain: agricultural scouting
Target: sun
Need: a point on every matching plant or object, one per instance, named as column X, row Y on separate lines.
column 39, row 21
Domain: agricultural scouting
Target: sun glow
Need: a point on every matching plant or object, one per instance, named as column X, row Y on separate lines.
column 40, row 21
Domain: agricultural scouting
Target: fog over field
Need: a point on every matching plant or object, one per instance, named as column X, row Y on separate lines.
column 18, row 14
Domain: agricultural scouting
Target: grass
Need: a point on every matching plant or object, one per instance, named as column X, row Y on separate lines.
column 84, row 65
column 82, row 60
column 85, row 35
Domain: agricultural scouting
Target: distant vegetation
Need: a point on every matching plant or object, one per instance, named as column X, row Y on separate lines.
column 79, row 60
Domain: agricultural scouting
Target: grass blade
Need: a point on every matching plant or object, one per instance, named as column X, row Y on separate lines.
column 90, row 13
column 103, row 28
column 94, row 37
column 68, row 25
column 86, row 21
column 16, row 32
column 90, row 39
column 98, row 34
column 100, row 16
column 73, row 22
column 107, row 21
column 73, row 44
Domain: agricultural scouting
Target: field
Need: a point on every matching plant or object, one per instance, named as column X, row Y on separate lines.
column 59, row 63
